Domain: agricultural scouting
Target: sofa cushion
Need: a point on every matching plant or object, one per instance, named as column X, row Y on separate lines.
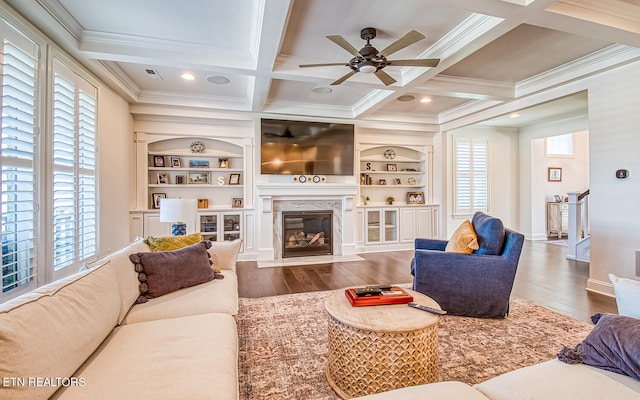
column 463, row 240
column 163, row 272
column 555, row 380
column 127, row 278
column 194, row 357
column 224, row 255
column 627, row 296
column 490, row 231
column 51, row 331
column 168, row 243
column 217, row 296
column 613, row 345
column 451, row 390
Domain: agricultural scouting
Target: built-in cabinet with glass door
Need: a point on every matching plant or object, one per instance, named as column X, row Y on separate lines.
column 382, row 225
column 220, row 226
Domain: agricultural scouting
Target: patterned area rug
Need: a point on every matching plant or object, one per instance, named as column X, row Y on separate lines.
column 283, row 345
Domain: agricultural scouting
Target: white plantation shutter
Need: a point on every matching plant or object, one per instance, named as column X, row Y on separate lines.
column 74, row 168
column 19, row 159
column 471, row 175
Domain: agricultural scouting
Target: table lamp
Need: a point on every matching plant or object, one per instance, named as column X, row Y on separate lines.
column 178, row 211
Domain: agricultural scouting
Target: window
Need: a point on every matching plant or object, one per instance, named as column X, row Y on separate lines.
column 471, row 175
column 559, row 146
column 74, row 168
column 19, row 160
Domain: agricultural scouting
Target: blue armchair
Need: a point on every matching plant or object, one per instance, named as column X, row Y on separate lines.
column 474, row 285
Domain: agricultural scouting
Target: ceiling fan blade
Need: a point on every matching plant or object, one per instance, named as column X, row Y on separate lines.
column 342, row 42
column 322, row 65
column 428, row 62
column 344, row 78
column 384, row 77
column 406, row 40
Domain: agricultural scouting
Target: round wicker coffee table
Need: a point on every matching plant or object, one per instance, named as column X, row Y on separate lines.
column 379, row 348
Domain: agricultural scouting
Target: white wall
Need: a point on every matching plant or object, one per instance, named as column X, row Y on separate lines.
column 503, row 179
column 614, row 122
column 115, row 158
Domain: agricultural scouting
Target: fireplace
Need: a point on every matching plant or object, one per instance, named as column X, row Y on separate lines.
column 306, row 233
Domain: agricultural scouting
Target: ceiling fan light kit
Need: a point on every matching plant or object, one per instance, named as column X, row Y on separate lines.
column 369, row 60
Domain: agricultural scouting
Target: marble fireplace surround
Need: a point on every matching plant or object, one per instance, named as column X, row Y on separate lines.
column 274, row 199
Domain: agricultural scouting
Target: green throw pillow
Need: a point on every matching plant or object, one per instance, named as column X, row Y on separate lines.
column 169, row 243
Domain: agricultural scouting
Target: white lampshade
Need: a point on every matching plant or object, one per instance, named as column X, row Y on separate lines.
column 178, row 210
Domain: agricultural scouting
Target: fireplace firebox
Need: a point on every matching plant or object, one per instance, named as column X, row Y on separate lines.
column 306, row 233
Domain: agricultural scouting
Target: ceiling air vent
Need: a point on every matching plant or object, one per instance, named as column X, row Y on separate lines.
column 153, row 74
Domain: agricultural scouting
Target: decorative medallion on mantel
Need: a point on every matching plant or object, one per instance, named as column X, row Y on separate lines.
column 389, row 154
column 197, row 147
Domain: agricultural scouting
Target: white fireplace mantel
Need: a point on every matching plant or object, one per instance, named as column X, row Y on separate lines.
column 307, row 190
column 297, row 194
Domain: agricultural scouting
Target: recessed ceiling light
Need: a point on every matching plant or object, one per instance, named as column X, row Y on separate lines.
column 188, row 76
column 218, row 80
column 406, row 97
column 514, row 115
column 322, row 90
column 425, row 100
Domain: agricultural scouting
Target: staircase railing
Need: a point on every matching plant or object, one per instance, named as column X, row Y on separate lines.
column 579, row 224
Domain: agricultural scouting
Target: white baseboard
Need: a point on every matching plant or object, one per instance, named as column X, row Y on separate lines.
column 600, row 287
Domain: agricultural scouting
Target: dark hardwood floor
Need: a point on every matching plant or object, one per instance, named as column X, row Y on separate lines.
column 544, row 277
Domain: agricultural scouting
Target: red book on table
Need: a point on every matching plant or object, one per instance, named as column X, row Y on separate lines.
column 395, row 295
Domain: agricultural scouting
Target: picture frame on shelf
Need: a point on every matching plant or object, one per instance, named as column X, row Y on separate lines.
column 398, row 181
column 392, row 167
column 411, row 181
column 175, row 161
column 223, row 163
column 162, row 178
column 199, row 178
column 180, row 180
column 155, row 199
column 382, row 182
column 415, row 197
column 237, row 202
column 557, row 198
column 158, row 161
column 234, row 179
column 554, row 174
column 198, row 163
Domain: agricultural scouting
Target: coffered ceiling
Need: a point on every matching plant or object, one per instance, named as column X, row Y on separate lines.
column 492, row 52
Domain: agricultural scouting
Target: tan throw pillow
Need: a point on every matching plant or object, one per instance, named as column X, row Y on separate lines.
column 168, row 243
column 463, row 240
column 163, row 272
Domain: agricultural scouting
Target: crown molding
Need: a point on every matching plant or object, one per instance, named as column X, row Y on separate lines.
column 129, row 48
column 447, row 85
column 194, row 100
column 315, row 110
column 607, row 58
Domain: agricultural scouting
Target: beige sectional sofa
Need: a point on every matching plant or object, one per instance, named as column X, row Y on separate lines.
column 82, row 338
column 550, row 380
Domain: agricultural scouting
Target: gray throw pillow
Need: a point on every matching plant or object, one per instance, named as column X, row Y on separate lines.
column 612, row 345
column 162, row 272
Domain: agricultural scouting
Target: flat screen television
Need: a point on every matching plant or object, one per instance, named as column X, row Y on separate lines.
column 306, row 148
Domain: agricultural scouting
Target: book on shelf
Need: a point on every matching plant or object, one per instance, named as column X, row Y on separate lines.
column 391, row 295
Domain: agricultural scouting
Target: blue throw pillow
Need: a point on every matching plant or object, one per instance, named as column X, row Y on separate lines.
column 490, row 232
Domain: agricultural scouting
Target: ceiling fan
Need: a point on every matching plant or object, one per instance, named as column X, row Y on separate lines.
column 370, row 60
